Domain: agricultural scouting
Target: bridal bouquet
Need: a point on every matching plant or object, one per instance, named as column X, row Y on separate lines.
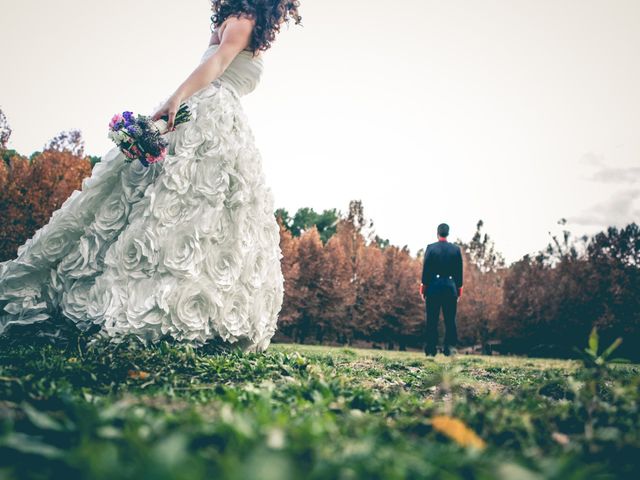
column 138, row 137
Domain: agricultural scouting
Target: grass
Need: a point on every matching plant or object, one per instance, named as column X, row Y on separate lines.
column 311, row 412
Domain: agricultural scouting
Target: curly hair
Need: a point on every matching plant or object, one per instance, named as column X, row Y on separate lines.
column 268, row 15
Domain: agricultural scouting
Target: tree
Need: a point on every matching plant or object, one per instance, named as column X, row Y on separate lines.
column 367, row 315
column 70, row 141
column 479, row 307
column 292, row 301
column 614, row 257
column 306, row 218
column 31, row 191
column 5, row 131
column 361, row 224
column 482, row 252
column 284, row 219
column 553, row 300
column 335, row 292
column 382, row 243
column 310, row 260
column 403, row 311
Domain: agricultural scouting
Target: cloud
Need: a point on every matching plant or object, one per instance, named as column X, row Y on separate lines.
column 617, row 175
column 621, row 209
column 605, row 174
column 592, row 159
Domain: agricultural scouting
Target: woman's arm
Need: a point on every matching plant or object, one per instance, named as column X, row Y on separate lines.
column 235, row 38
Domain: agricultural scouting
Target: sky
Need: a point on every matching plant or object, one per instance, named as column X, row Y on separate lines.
column 516, row 112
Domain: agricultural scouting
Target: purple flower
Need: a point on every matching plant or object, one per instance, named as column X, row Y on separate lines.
column 133, row 130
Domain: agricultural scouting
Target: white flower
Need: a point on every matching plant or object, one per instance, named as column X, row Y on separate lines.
column 239, row 192
column 75, row 300
column 83, row 261
column 225, row 117
column 53, row 241
column 250, row 166
column 192, row 305
column 188, row 139
column 222, row 226
column 254, row 273
column 223, row 267
column 111, row 216
column 210, row 148
column 182, row 253
column 135, row 253
column 236, row 315
column 138, row 178
column 105, row 299
column 212, row 181
column 142, row 309
column 170, row 208
column 179, row 173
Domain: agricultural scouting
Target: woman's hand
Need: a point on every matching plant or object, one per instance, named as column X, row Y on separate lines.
column 170, row 109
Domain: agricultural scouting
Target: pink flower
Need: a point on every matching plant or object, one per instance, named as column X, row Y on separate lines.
column 163, row 153
column 128, row 154
column 116, row 118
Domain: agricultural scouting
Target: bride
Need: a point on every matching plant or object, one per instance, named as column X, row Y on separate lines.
column 186, row 248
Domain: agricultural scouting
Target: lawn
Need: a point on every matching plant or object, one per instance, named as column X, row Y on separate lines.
column 311, row 412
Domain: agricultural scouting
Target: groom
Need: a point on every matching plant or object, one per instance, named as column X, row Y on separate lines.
column 441, row 287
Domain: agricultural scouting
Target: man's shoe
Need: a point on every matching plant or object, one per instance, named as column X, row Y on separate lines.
column 450, row 351
column 429, row 353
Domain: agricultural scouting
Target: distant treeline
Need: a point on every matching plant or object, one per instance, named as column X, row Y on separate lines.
column 346, row 285
column 349, row 289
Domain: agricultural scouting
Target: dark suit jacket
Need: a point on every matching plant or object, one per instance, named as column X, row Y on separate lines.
column 442, row 268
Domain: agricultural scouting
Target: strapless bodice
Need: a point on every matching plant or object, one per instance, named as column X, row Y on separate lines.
column 243, row 73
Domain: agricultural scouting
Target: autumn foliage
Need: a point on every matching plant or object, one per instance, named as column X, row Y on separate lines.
column 355, row 290
column 31, row 190
column 348, row 290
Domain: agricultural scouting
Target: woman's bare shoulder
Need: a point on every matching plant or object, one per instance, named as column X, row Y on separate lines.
column 243, row 21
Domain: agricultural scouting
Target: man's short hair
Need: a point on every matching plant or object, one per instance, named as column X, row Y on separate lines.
column 443, row 230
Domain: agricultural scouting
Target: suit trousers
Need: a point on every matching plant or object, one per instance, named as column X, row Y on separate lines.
column 448, row 303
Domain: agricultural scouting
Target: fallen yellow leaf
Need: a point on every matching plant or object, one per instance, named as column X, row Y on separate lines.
column 138, row 374
column 457, row 431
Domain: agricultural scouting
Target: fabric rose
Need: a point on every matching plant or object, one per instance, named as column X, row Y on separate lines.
column 171, row 209
column 75, row 301
column 182, row 253
column 211, row 147
column 53, row 241
column 253, row 274
column 142, row 309
column 223, row 267
column 192, row 305
column 138, row 178
column 135, row 253
column 83, row 261
column 212, row 181
column 222, row 227
column 111, row 216
column 178, row 173
column 188, row 139
column 236, row 315
column 239, row 192
column 105, row 300
column 249, row 165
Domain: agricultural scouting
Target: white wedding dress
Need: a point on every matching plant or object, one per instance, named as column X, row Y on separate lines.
column 187, row 248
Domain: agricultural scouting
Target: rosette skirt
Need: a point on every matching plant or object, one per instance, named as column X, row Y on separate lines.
column 187, row 248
